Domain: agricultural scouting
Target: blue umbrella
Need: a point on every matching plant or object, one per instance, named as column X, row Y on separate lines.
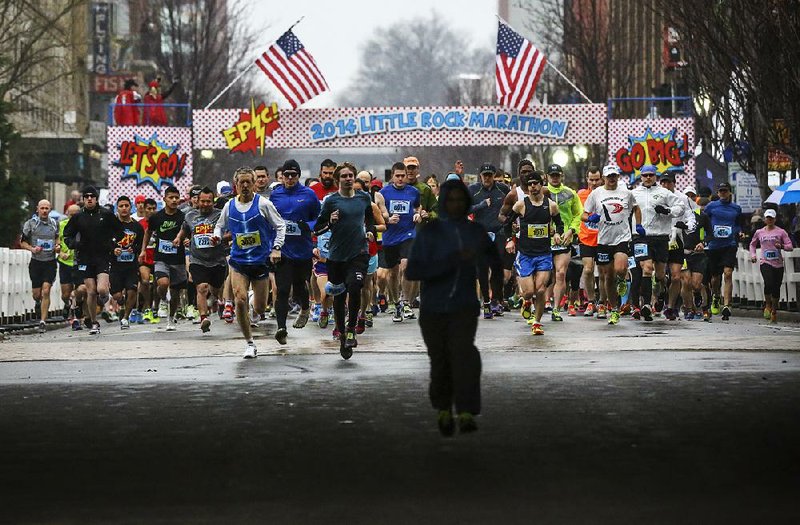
column 786, row 193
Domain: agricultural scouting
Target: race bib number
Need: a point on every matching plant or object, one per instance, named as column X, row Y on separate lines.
column 673, row 246
column 203, row 241
column 166, row 247
column 722, row 232
column 45, row 244
column 399, row 207
column 292, row 228
column 538, row 231
column 125, row 257
column 771, row 255
column 248, row 240
column 640, row 249
column 603, row 257
column 631, row 263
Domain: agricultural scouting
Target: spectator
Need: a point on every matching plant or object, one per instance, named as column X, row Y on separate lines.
column 74, row 198
column 154, row 114
column 126, row 105
column 433, row 184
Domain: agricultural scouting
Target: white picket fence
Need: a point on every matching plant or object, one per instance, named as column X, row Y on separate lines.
column 748, row 284
column 15, row 285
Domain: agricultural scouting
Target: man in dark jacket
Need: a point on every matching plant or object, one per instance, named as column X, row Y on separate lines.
column 445, row 257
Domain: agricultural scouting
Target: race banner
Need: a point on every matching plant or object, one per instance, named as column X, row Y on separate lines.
column 143, row 160
column 225, row 129
column 668, row 144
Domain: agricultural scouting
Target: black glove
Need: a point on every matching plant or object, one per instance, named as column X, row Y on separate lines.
column 304, row 227
column 681, row 225
column 663, row 210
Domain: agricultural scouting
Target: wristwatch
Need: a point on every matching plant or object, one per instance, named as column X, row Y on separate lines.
column 277, row 248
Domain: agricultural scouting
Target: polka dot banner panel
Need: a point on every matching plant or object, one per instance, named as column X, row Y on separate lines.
column 668, row 144
column 401, row 127
column 143, row 160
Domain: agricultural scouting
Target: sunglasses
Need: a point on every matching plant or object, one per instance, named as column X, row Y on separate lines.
column 89, row 196
column 534, row 183
column 648, row 174
column 411, row 167
column 290, row 174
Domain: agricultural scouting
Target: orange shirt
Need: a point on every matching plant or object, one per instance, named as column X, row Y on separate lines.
column 586, row 235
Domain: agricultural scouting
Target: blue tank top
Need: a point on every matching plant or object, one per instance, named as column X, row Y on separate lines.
column 252, row 234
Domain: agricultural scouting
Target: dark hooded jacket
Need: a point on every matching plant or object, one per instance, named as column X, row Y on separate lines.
column 445, row 257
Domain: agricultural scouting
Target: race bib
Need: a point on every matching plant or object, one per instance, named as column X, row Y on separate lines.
column 771, row 255
column 631, row 263
column 603, row 257
column 640, row 249
column 722, row 232
column 203, row 241
column 673, row 246
column 166, row 247
column 292, row 228
column 248, row 240
column 577, row 250
column 538, row 231
column 592, row 225
column 125, row 257
column 45, row 244
column 399, row 207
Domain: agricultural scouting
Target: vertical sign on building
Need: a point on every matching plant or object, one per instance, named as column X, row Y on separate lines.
column 101, row 38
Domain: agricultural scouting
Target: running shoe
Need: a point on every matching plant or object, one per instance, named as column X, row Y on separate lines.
column 315, row 313
column 374, row 309
column 767, row 314
column 589, row 312
column 180, row 314
column 614, row 317
column 361, row 325
column 562, row 303
column 397, row 316
column 42, row 327
column 671, row 314
column 572, row 311
column 134, row 316
column 337, row 335
column 689, row 315
column 272, row 314
column 408, row 313
column 250, row 351
column 706, row 315
column 106, row 315
column 622, row 287
column 537, row 329
column 87, row 322
column 487, row 311
column 95, row 329
column 148, row 316
column 350, row 340
column 726, row 312
column 647, row 313
column 447, row 425
column 205, row 324
column 369, row 320
column 171, row 324
column 382, row 303
column 163, row 310
column 466, row 423
column 227, row 313
column 556, row 315
column 191, row 312
column 715, row 305
column 280, row 335
column 625, row 309
column 601, row 311
column 548, row 307
column 76, row 325
column 773, row 317
column 526, row 310
column 124, row 324
column 324, row 318
column 497, row 309
column 302, row 320
column 505, row 306
column 636, row 314
column 345, row 351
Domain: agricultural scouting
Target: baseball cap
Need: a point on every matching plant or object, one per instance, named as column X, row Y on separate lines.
column 194, row 191
column 689, row 190
column 611, row 169
column 668, row 177
column 139, row 199
column 487, row 168
column 555, row 168
column 648, row 168
column 292, row 165
column 411, row 161
column 534, row 176
column 770, row 213
column 724, row 186
column 376, row 183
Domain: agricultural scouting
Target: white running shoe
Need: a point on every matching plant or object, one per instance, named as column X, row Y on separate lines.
column 95, row 329
column 250, row 351
column 163, row 310
column 171, row 325
column 124, row 324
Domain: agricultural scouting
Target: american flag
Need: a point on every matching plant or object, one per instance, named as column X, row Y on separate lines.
column 518, row 68
column 292, row 69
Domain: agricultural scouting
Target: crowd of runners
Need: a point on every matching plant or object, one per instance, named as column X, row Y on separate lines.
column 335, row 251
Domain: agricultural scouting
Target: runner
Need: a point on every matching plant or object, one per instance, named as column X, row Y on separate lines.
column 401, row 212
column 658, row 207
column 93, row 233
column 571, row 209
column 676, row 257
column 146, row 267
column 170, row 257
column 324, row 301
column 299, row 208
column 262, row 181
column 534, row 261
column 610, row 207
column 724, row 217
column 428, row 210
column 696, row 291
column 73, row 291
column 772, row 240
column 368, row 291
column 588, row 249
column 258, row 234
column 348, row 214
column 208, row 263
column 124, row 267
column 40, row 236
column 444, row 259
column 326, row 184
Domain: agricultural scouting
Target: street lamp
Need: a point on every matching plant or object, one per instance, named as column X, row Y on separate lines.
column 207, row 154
column 581, row 153
column 560, row 157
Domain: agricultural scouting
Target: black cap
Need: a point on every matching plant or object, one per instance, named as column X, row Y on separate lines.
column 724, row 186
column 195, row 191
column 667, row 176
column 90, row 190
column 555, row 168
column 291, row 165
column 486, row 168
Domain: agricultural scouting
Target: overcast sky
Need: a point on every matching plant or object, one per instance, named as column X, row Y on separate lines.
column 335, row 31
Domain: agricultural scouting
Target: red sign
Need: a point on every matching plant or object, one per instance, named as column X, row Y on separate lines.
column 112, row 83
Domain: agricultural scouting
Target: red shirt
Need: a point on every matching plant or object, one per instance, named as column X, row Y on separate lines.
column 150, row 250
column 154, row 114
column 126, row 111
column 321, row 191
column 586, row 235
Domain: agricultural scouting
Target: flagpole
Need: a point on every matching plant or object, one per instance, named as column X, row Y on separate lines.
column 554, row 68
column 245, row 70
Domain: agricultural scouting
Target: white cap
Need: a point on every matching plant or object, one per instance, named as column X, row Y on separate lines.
column 611, row 168
column 689, row 190
column 770, row 213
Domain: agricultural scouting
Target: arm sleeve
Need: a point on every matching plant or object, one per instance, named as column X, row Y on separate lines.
column 269, row 211
column 26, row 231
column 324, row 218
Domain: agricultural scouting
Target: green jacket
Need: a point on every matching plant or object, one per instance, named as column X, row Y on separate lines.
column 427, row 199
